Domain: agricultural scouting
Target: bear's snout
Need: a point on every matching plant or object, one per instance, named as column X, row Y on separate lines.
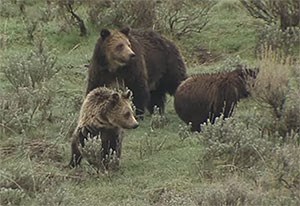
column 135, row 126
column 132, row 55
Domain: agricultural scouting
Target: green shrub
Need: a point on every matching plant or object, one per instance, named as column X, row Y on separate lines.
column 235, row 190
column 137, row 14
column 239, row 145
column 26, row 109
column 232, row 191
column 232, row 145
column 284, row 165
column 51, row 196
column 26, row 180
column 149, row 143
column 158, row 121
column 91, row 152
column 33, row 69
column 8, row 9
column 29, row 105
column 9, row 196
column 288, row 41
column 22, row 177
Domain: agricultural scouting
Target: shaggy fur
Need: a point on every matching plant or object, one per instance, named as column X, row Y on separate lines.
column 206, row 96
column 142, row 60
column 104, row 112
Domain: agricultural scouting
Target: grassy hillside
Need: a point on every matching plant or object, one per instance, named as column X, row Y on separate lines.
column 256, row 164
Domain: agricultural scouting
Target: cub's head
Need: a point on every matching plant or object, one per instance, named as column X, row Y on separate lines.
column 116, row 48
column 247, row 78
column 106, row 108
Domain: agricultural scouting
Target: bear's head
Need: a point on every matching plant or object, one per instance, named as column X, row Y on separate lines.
column 247, row 79
column 116, row 48
column 106, row 108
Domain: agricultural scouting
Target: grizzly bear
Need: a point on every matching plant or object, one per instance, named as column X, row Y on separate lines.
column 104, row 113
column 142, row 60
column 207, row 96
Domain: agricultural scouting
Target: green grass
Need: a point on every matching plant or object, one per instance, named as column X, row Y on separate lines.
column 172, row 166
column 229, row 32
column 157, row 167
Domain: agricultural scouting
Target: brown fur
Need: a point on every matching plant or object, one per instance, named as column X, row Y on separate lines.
column 153, row 69
column 207, row 96
column 105, row 112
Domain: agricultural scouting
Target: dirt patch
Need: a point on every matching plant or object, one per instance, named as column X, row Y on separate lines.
column 40, row 150
column 204, row 56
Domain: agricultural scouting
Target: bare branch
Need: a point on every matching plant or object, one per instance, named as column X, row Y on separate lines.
column 185, row 17
column 80, row 22
column 284, row 12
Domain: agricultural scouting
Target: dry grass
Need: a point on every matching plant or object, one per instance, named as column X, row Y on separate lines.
column 276, row 89
column 271, row 87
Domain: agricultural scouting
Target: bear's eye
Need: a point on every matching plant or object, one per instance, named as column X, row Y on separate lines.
column 127, row 115
column 119, row 47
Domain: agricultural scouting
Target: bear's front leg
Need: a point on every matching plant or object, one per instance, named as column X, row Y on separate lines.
column 141, row 97
column 111, row 148
column 79, row 135
column 76, row 154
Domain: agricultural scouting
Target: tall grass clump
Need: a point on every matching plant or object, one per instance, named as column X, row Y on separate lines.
column 277, row 90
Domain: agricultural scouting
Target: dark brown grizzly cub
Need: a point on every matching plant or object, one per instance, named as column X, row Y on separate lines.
column 106, row 113
column 207, row 96
column 142, row 60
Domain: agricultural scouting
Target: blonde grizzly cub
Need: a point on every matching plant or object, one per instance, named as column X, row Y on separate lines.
column 104, row 113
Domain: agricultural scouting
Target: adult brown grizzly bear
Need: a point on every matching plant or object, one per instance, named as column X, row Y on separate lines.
column 106, row 113
column 142, row 60
column 206, row 96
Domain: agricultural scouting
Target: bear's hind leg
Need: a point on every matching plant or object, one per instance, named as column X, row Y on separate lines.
column 158, row 99
column 76, row 155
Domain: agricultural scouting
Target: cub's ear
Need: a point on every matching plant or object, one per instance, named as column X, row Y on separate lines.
column 125, row 30
column 115, row 98
column 127, row 94
column 104, row 33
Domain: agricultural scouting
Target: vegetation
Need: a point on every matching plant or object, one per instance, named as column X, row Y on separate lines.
column 251, row 158
column 284, row 13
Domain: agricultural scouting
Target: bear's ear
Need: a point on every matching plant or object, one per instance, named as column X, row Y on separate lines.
column 115, row 98
column 125, row 30
column 104, row 33
column 127, row 94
